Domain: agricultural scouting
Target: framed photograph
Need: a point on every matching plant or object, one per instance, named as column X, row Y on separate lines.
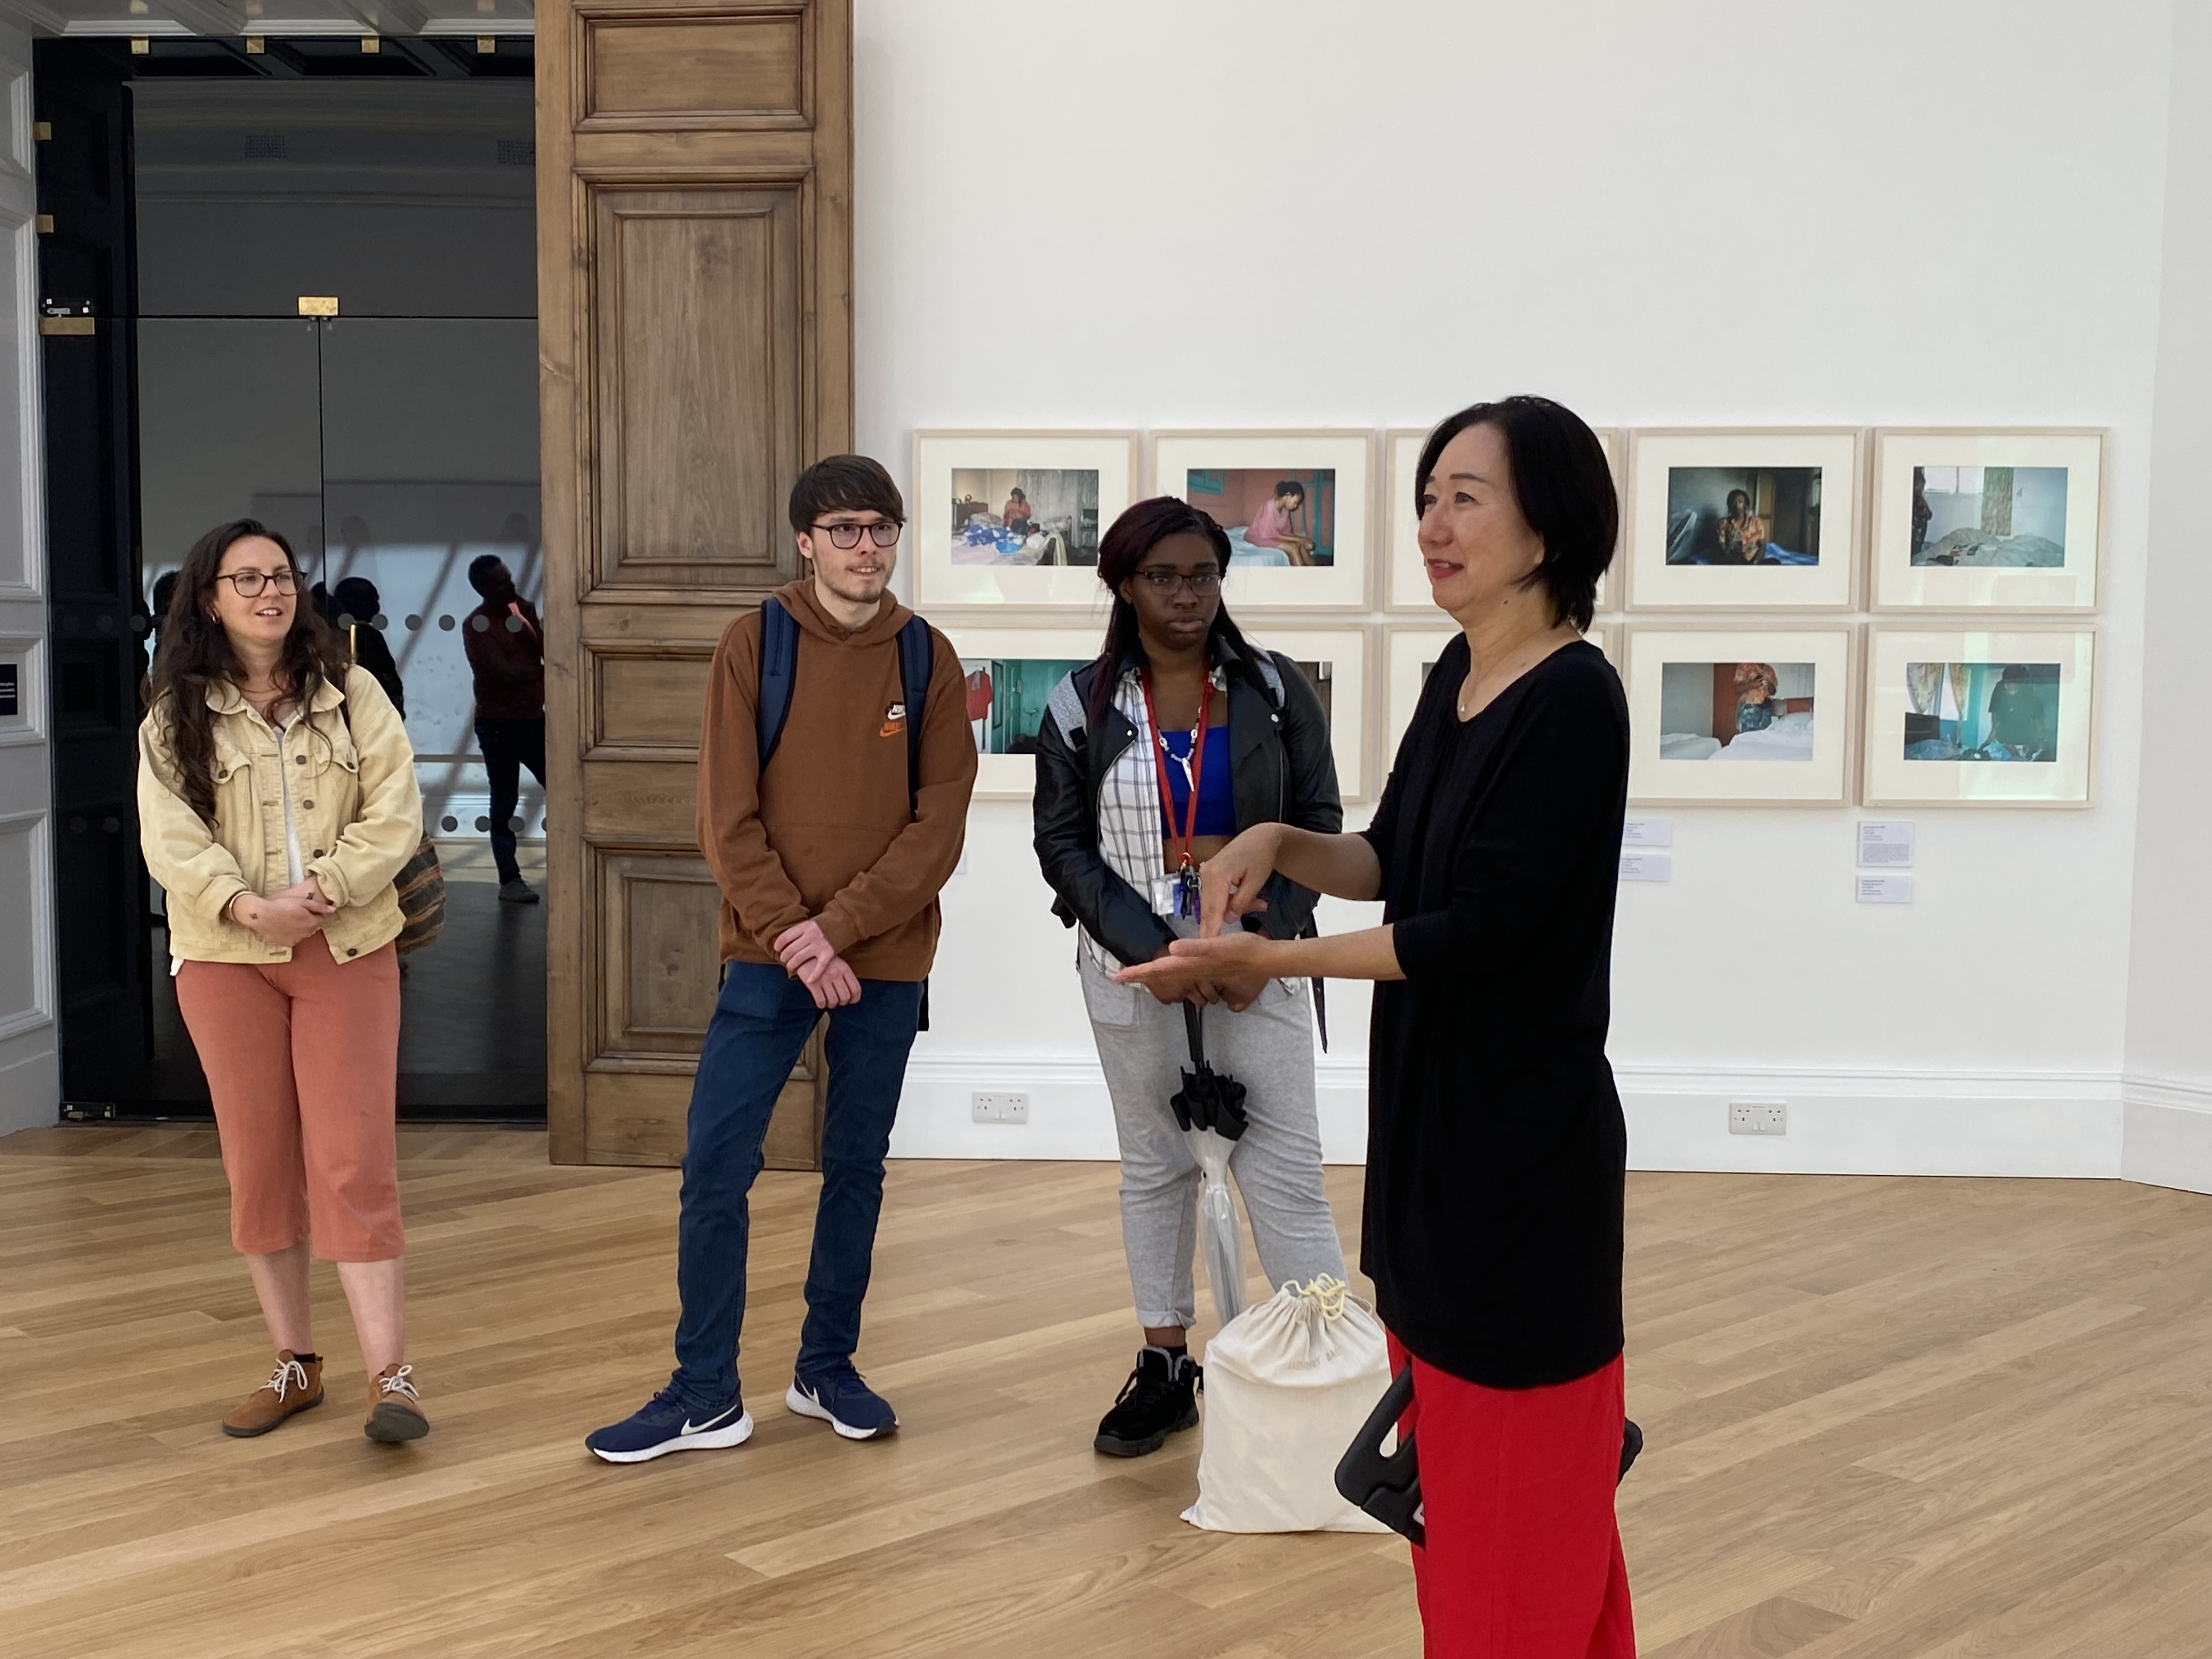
column 1411, row 653
column 2007, row 521
column 1740, row 715
column 1014, row 518
column 1743, row 520
column 1971, row 718
column 1296, row 506
column 1405, row 584
column 1011, row 673
column 1335, row 661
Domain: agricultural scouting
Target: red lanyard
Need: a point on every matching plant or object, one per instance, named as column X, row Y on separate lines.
column 1182, row 843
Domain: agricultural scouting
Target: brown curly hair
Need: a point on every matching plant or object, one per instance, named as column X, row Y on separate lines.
column 195, row 653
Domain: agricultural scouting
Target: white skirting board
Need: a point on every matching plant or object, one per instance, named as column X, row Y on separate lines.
column 2168, row 1134
column 30, row 1082
column 1865, row 1122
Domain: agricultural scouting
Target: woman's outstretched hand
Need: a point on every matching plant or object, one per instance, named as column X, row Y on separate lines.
column 1230, row 966
column 1230, row 881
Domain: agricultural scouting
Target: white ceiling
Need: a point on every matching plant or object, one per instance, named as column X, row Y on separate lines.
column 271, row 17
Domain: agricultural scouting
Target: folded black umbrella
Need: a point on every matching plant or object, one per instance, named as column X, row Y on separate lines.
column 1209, row 1099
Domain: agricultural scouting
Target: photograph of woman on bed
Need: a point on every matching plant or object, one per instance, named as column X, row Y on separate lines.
column 1743, row 515
column 1274, row 518
column 1736, row 711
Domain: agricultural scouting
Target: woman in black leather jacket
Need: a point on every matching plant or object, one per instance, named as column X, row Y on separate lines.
column 1179, row 704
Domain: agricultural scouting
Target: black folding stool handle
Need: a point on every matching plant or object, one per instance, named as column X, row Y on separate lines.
column 1390, row 1487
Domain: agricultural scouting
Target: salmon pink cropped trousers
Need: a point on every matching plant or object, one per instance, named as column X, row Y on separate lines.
column 302, row 1058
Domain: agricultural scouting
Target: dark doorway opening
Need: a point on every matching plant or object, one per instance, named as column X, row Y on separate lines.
column 295, row 283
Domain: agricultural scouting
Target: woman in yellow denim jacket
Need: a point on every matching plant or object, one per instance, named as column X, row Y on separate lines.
column 277, row 802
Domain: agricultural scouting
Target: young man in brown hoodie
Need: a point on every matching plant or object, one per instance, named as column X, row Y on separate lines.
column 830, row 859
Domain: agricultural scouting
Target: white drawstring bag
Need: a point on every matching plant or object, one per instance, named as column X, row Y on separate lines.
column 1289, row 1384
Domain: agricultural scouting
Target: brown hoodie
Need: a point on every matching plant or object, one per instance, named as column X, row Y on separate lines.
column 824, row 832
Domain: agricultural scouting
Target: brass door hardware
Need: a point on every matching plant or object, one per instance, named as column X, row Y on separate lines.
column 319, row 305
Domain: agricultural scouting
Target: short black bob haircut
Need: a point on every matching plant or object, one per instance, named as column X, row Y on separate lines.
column 1563, row 485
column 844, row 483
column 1291, row 487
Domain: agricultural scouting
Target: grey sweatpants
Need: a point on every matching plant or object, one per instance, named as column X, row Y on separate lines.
column 1269, row 1048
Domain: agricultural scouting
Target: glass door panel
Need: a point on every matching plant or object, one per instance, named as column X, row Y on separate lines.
column 430, row 431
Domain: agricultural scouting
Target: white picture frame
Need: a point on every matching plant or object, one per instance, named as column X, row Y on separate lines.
column 1773, row 462
column 946, row 580
column 1908, row 525
column 1345, row 651
column 1405, row 584
column 1000, row 774
column 1342, row 584
column 1895, row 717
column 1768, row 767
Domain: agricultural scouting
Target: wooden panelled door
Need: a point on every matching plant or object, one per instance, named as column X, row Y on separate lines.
column 695, row 298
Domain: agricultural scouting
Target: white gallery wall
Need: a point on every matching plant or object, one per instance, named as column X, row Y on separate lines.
column 2169, row 1046
column 1255, row 213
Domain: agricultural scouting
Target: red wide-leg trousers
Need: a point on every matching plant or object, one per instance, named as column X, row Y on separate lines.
column 1523, row 1558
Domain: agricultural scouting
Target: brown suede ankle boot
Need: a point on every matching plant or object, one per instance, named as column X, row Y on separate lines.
column 395, row 1409
column 293, row 1386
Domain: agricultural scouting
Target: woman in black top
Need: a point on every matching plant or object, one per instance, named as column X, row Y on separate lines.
column 1496, row 1145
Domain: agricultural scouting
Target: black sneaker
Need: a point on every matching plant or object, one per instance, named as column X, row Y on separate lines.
column 1159, row 1399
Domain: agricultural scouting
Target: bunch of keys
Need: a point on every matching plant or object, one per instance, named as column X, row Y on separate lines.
column 1187, row 891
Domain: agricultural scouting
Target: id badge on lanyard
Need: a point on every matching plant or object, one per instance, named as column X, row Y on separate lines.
column 1178, row 895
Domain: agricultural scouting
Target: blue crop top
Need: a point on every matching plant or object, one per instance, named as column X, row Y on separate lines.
column 1217, row 790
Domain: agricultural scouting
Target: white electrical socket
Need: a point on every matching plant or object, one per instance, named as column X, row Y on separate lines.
column 1758, row 1117
column 999, row 1108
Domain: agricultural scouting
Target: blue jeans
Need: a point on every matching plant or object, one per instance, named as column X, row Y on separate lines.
column 762, row 1020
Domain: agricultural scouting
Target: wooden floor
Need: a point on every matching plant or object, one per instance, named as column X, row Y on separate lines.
column 1888, row 1419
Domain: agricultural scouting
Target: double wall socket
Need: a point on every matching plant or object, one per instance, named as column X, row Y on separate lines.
column 1758, row 1117
column 999, row 1108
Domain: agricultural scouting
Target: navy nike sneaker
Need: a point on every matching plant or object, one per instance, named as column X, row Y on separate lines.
column 837, row 1395
column 665, row 1424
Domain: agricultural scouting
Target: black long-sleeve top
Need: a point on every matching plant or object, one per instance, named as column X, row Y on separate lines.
column 1497, row 1151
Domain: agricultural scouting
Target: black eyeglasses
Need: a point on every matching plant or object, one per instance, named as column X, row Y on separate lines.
column 1164, row 582
column 250, row 583
column 883, row 534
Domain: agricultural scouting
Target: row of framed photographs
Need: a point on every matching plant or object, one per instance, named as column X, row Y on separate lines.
column 1737, row 519
column 1794, row 714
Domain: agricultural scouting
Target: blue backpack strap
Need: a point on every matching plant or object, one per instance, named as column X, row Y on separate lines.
column 779, row 672
column 917, row 663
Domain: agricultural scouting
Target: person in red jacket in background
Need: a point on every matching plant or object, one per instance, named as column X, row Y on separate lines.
column 506, row 645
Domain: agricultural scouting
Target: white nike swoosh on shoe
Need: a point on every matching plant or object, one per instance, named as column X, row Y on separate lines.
column 692, row 1428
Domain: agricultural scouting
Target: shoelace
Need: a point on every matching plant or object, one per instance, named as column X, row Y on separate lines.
column 288, row 1374
column 1138, row 1384
column 397, row 1384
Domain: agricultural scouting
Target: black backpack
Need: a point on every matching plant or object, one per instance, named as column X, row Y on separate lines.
column 779, row 673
